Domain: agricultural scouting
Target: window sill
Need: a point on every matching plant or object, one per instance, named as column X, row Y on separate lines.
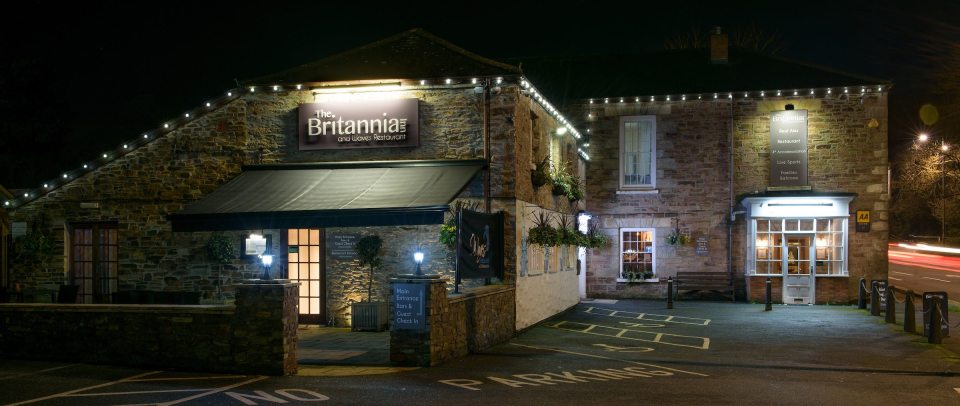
column 639, row 192
column 654, row 280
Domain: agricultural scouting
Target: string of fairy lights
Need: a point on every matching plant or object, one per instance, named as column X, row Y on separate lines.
column 527, row 88
column 825, row 91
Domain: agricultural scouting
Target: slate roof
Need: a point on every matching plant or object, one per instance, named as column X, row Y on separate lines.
column 567, row 79
column 413, row 54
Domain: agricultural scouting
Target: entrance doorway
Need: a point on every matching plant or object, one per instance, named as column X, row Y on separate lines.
column 798, row 283
column 306, row 265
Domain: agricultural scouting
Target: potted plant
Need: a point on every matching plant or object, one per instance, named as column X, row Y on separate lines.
column 561, row 178
column 369, row 315
column 540, row 175
column 448, row 230
column 596, row 238
column 574, row 190
column 222, row 251
column 542, row 233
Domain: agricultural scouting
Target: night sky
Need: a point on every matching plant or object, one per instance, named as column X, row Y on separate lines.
column 76, row 80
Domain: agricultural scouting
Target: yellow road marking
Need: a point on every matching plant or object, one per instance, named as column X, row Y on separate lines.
column 341, row 370
column 647, row 316
column 609, row 358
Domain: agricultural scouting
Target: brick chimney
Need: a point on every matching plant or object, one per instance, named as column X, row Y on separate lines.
column 719, row 46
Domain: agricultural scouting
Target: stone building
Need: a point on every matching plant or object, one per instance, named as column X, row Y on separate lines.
column 674, row 148
column 374, row 141
column 729, row 161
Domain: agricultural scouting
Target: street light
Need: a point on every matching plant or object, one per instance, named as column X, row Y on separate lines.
column 923, row 137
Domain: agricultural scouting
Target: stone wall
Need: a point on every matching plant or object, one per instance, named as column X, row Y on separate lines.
column 847, row 153
column 456, row 325
column 139, row 188
column 256, row 336
column 692, row 190
column 541, row 291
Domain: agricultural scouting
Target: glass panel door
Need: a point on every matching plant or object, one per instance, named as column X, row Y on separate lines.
column 305, row 264
column 798, row 264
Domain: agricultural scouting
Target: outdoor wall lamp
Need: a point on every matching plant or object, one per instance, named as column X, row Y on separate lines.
column 418, row 258
column 267, row 260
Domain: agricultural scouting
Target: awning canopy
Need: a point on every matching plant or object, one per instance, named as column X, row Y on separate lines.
column 353, row 194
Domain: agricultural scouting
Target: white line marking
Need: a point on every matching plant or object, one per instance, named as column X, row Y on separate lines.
column 896, row 279
column 214, row 391
column 188, row 378
column 939, row 280
column 37, row 372
column 614, row 359
column 61, row 394
column 133, row 392
column 902, row 273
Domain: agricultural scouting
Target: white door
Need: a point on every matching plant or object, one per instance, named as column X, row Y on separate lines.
column 798, row 276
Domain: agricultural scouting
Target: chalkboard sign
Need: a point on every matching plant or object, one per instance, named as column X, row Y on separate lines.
column 409, row 300
column 880, row 286
column 928, row 298
column 342, row 246
column 702, row 246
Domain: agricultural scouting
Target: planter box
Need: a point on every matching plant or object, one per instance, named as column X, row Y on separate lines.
column 369, row 316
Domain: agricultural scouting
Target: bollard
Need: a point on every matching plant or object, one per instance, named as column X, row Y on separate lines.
column 936, row 331
column 670, row 292
column 769, row 305
column 875, row 301
column 862, row 294
column 891, row 308
column 909, row 314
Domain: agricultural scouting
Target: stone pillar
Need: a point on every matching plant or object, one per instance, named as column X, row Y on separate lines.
column 417, row 306
column 264, row 336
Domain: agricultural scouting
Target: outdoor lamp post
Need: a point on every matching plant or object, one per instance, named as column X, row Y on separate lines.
column 267, row 260
column 418, row 258
column 943, row 203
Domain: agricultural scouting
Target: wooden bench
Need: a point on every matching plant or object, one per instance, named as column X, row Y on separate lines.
column 719, row 282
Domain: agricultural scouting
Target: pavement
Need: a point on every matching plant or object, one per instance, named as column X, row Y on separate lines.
column 786, row 331
column 601, row 352
column 341, row 346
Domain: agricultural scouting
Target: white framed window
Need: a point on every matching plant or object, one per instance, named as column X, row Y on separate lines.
column 827, row 236
column 638, row 254
column 638, row 152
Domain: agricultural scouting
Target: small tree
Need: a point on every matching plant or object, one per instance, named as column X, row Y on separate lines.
column 368, row 250
column 221, row 250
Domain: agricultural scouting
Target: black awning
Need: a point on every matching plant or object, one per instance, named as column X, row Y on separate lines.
column 352, row 194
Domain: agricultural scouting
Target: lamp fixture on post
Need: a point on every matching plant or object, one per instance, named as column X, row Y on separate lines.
column 418, row 258
column 923, row 137
column 267, row 260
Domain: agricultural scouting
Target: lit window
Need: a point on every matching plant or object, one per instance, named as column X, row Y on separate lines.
column 637, row 253
column 638, row 166
column 821, row 241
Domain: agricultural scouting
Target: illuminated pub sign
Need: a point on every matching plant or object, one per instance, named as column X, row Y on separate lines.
column 788, row 148
column 359, row 124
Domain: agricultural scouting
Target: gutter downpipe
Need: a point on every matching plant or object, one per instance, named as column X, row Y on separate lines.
column 733, row 214
column 486, row 144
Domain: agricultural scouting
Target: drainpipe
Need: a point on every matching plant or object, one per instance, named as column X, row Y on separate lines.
column 486, row 144
column 733, row 214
